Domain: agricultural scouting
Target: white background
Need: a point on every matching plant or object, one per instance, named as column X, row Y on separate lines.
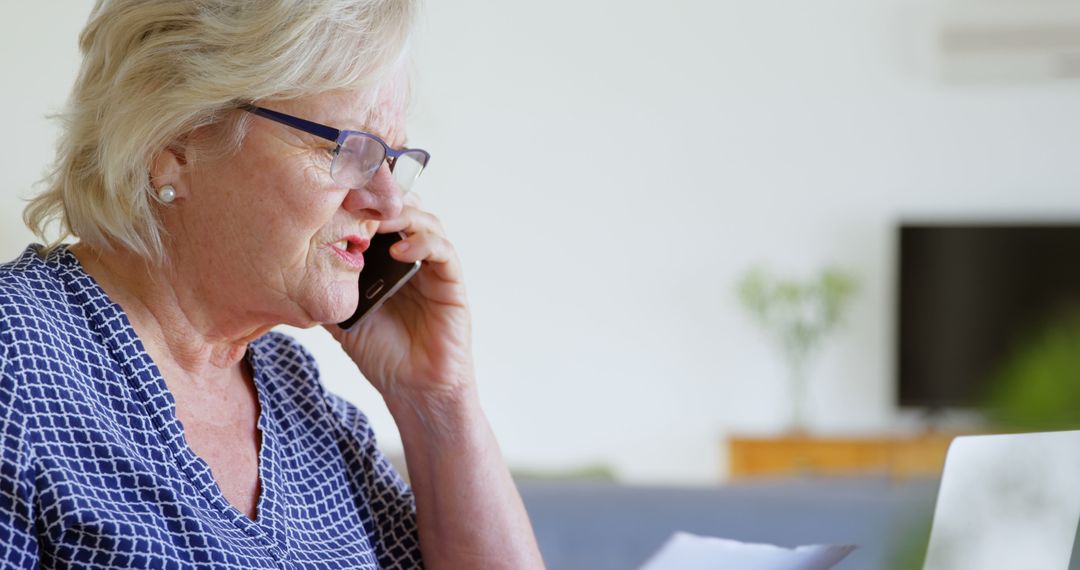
column 609, row 168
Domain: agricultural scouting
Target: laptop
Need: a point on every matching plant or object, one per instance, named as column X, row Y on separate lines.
column 1008, row 502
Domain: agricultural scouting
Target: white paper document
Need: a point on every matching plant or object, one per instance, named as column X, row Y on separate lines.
column 684, row 551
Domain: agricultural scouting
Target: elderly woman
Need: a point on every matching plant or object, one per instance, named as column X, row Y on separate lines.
column 224, row 165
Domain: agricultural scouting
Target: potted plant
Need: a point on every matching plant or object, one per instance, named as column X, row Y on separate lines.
column 797, row 316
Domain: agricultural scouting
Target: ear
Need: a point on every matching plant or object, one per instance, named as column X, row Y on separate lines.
column 170, row 167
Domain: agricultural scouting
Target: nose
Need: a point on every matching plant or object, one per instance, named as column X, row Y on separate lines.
column 379, row 199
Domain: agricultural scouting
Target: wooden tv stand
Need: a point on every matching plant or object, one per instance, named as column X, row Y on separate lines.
column 897, row 456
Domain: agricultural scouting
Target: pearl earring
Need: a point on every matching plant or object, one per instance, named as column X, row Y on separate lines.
column 166, row 193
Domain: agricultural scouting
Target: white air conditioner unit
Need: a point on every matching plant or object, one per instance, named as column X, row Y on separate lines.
column 1007, row 40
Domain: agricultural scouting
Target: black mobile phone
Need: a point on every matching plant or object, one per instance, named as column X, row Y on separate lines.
column 380, row 278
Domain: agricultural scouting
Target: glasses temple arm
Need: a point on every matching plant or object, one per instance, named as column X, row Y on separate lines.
column 321, row 131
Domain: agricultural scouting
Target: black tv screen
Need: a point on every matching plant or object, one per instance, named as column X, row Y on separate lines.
column 970, row 295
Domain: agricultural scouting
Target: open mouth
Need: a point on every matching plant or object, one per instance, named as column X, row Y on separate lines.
column 351, row 250
column 352, row 244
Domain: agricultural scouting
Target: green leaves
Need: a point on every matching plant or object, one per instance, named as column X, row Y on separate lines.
column 798, row 314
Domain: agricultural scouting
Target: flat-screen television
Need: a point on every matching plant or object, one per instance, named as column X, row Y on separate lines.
column 970, row 295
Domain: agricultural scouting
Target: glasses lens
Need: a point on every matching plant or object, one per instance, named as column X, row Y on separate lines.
column 357, row 160
column 407, row 168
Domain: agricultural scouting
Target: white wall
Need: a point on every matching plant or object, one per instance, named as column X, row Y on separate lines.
column 609, row 168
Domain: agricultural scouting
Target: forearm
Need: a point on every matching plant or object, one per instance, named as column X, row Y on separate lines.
column 469, row 512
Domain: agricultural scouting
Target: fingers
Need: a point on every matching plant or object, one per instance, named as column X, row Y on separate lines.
column 433, row 249
column 425, row 240
column 412, row 220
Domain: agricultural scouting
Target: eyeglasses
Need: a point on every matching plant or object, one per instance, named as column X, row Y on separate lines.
column 358, row 154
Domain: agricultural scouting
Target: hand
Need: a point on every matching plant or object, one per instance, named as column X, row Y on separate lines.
column 419, row 342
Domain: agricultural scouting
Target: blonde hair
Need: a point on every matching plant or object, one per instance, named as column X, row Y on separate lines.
column 155, row 70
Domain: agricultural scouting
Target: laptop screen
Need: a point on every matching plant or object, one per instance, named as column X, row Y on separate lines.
column 1007, row 502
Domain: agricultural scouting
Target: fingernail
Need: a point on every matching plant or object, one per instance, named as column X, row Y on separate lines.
column 401, row 247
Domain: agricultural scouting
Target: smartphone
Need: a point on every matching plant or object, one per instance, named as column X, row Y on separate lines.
column 380, row 278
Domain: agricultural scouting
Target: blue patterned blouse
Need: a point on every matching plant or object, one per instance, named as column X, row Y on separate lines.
column 96, row 473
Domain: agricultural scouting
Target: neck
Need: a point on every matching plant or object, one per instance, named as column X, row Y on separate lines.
column 185, row 331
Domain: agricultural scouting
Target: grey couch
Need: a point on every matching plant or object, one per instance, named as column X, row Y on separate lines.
column 603, row 526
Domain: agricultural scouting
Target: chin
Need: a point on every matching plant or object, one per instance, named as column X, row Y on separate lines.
column 336, row 302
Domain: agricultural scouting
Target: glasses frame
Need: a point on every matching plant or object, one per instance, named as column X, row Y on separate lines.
column 337, row 136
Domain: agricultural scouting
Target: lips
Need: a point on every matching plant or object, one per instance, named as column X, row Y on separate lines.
column 350, row 249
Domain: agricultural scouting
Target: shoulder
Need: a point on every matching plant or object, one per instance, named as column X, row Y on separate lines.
column 45, row 301
column 27, row 280
column 30, row 296
column 33, row 299
column 58, row 332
